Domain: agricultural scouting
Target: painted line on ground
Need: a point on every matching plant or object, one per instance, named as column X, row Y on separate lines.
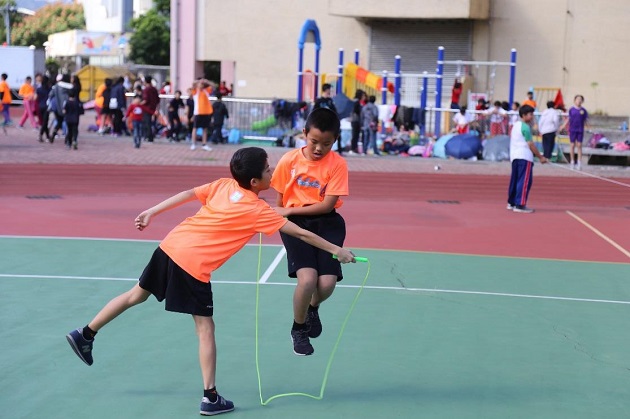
column 590, row 174
column 600, row 234
column 273, row 266
column 111, row 239
column 369, row 287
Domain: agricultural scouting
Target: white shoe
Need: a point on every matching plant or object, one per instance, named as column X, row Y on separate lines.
column 205, row 147
column 522, row 209
column 578, row 166
column 509, row 207
column 193, row 146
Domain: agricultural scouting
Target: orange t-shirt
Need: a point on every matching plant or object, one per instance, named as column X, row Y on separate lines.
column 531, row 103
column 27, row 91
column 6, row 92
column 304, row 182
column 229, row 217
column 202, row 103
column 98, row 96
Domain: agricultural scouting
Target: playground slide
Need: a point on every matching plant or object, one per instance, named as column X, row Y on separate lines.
column 356, row 77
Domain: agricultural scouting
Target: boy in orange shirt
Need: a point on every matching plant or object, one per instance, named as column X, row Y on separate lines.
column 309, row 182
column 180, row 268
column 5, row 92
column 27, row 92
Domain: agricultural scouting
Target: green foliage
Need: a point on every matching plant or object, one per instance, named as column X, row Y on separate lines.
column 163, row 7
column 52, row 18
column 14, row 18
column 151, row 40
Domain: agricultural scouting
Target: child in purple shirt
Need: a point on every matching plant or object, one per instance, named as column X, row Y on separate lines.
column 577, row 119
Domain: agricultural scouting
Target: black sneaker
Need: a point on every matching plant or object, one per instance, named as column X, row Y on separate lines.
column 301, row 344
column 220, row 406
column 81, row 346
column 313, row 324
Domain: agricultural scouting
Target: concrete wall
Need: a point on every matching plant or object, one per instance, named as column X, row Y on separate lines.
column 406, row 9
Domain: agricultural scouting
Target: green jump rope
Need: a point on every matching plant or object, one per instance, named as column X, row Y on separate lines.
column 264, row 402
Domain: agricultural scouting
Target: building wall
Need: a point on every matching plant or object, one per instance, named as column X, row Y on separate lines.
column 572, row 44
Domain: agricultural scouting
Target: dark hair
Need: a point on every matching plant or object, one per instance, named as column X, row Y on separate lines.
column 326, row 86
column 108, row 82
column 462, row 110
column 178, row 91
column 28, row 78
column 372, row 99
column 524, row 110
column 359, row 94
column 518, row 104
column 45, row 81
column 577, row 96
column 72, row 94
column 248, row 163
column 4, row 76
column 148, row 79
column 218, row 95
column 530, row 93
column 497, row 103
column 550, row 104
column 325, row 120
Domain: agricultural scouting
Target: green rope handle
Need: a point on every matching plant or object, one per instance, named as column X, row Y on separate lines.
column 332, row 354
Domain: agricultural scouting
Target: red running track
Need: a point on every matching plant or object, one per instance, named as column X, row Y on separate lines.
column 384, row 211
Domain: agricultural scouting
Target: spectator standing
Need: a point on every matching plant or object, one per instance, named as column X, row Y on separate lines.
column 41, row 94
column 355, row 120
column 27, row 93
column 173, row 115
column 117, row 105
column 136, row 113
column 224, row 90
column 190, row 111
column 461, row 121
column 106, row 112
column 496, row 115
column 151, row 99
column 455, row 94
column 5, row 91
column 219, row 115
column 369, row 122
column 58, row 97
column 72, row 109
column 530, row 100
column 548, row 126
column 326, row 101
column 522, row 151
column 577, row 122
column 202, row 113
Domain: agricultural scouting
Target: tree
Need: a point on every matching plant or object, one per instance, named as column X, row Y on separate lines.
column 14, row 17
column 52, row 18
column 151, row 39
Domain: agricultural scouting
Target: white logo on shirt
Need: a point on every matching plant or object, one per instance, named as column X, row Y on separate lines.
column 236, row 196
column 292, row 172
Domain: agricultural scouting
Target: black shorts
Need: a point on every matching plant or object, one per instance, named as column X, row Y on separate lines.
column 331, row 227
column 202, row 121
column 183, row 293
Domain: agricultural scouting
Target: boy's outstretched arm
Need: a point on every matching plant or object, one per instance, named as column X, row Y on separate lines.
column 344, row 256
column 144, row 218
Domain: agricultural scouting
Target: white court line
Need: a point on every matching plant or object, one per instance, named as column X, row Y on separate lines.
column 600, row 234
column 590, row 174
column 273, row 266
column 370, row 287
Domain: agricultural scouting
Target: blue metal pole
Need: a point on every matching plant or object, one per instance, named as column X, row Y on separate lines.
column 384, row 89
column 316, row 72
column 340, row 72
column 423, row 100
column 300, row 95
column 438, row 88
column 512, row 76
column 398, row 82
column 356, row 56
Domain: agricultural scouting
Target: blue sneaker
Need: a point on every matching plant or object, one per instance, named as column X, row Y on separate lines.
column 220, row 406
column 81, row 346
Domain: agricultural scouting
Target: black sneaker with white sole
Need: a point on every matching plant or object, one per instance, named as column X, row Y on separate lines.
column 313, row 323
column 301, row 343
column 81, row 346
column 221, row 405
